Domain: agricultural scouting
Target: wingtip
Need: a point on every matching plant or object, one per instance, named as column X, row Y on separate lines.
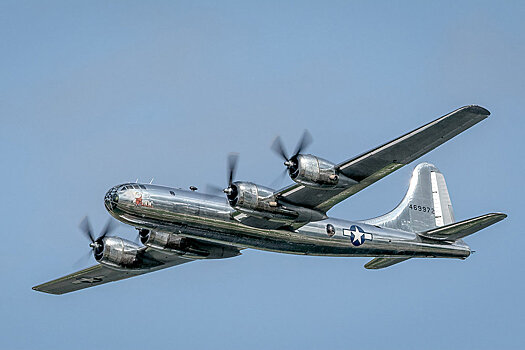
column 478, row 110
column 501, row 215
column 38, row 289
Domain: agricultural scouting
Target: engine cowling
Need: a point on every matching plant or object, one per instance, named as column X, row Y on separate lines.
column 120, row 254
column 313, row 171
column 249, row 196
column 186, row 247
column 261, row 201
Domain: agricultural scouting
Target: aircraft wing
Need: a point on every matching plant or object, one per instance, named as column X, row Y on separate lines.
column 375, row 164
column 100, row 274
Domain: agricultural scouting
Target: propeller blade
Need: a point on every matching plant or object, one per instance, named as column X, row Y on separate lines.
column 278, row 147
column 306, row 140
column 279, row 180
column 83, row 259
column 232, row 165
column 85, row 227
column 107, row 229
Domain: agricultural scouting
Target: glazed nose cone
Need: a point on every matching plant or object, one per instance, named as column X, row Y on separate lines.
column 111, row 199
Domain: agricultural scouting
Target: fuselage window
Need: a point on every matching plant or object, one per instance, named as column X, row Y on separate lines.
column 172, row 193
column 330, row 230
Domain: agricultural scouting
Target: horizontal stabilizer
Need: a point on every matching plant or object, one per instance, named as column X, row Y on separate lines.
column 381, row 263
column 464, row 228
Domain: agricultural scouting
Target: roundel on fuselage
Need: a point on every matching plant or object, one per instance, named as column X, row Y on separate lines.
column 357, row 235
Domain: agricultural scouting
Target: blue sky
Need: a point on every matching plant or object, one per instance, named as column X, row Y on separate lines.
column 98, row 93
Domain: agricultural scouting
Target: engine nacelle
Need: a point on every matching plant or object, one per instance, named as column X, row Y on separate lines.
column 313, row 171
column 186, row 247
column 248, row 195
column 121, row 254
column 260, row 201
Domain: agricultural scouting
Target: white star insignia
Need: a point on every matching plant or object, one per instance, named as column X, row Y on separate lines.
column 88, row 280
column 358, row 236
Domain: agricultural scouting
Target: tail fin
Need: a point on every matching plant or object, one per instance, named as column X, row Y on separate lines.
column 426, row 204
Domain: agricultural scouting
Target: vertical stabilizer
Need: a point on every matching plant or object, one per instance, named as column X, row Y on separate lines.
column 426, row 204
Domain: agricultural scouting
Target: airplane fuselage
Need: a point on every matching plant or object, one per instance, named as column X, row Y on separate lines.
column 210, row 218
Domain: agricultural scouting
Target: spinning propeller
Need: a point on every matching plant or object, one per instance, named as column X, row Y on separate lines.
column 97, row 245
column 232, row 166
column 230, row 175
column 291, row 162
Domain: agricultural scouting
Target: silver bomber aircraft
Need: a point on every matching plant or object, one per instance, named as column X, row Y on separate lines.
column 177, row 226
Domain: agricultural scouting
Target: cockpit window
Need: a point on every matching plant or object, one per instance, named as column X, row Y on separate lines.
column 142, row 186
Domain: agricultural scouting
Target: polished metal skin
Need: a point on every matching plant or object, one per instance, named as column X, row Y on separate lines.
column 316, row 172
column 121, row 254
column 210, row 218
column 177, row 226
column 185, row 247
column 262, row 202
column 425, row 176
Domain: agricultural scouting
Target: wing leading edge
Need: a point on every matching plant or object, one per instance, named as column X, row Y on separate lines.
column 375, row 164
